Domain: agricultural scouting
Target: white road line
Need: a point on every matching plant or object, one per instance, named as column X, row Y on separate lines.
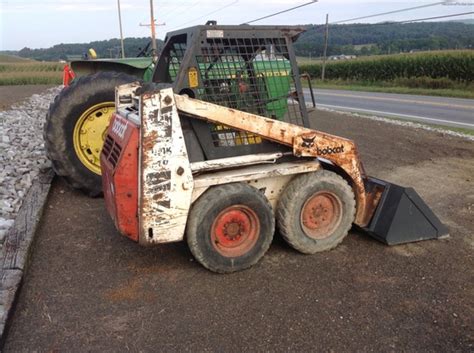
column 416, row 117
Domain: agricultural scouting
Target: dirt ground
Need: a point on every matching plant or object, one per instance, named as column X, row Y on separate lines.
column 89, row 289
column 14, row 94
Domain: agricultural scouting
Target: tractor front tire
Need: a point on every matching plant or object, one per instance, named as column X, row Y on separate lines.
column 230, row 227
column 76, row 125
column 315, row 211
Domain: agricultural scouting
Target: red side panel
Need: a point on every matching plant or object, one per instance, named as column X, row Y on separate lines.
column 119, row 164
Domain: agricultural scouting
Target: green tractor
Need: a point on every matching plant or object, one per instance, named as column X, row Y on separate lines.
column 77, row 121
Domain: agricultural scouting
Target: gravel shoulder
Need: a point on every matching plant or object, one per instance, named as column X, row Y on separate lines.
column 90, row 289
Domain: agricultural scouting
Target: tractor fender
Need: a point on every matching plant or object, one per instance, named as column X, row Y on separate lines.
column 142, row 68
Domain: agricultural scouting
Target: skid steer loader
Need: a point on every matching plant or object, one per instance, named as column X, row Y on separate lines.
column 218, row 151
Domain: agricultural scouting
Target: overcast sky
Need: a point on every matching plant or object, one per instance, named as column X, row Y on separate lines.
column 40, row 24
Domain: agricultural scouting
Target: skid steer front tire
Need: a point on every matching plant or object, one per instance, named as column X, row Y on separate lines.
column 230, row 227
column 315, row 211
column 75, row 127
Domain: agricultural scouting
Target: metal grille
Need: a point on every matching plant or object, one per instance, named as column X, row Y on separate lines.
column 111, row 150
column 175, row 58
column 249, row 74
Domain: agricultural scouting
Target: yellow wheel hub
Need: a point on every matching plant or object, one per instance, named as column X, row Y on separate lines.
column 89, row 134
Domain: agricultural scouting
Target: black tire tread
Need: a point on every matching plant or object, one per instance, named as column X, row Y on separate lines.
column 202, row 206
column 285, row 221
column 53, row 131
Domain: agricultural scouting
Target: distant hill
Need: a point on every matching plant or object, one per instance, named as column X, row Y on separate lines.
column 385, row 38
column 349, row 39
column 468, row 21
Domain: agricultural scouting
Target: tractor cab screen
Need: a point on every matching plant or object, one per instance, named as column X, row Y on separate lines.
column 171, row 59
column 248, row 74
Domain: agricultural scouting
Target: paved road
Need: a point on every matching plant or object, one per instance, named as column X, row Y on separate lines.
column 432, row 110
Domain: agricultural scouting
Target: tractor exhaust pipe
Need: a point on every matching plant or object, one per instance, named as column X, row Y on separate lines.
column 403, row 217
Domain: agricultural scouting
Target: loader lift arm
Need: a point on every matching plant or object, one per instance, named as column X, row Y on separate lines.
column 304, row 141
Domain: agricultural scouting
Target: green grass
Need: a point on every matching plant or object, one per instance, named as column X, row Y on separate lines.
column 461, row 130
column 388, row 87
column 4, row 58
column 19, row 71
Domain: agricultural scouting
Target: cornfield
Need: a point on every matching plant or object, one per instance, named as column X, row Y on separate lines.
column 22, row 72
column 453, row 65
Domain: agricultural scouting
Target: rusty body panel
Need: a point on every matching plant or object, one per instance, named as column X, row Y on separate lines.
column 119, row 162
column 235, row 162
column 165, row 173
column 260, row 171
column 270, row 179
column 304, row 141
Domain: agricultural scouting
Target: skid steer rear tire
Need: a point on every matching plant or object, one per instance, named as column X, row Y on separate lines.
column 64, row 113
column 315, row 211
column 230, row 227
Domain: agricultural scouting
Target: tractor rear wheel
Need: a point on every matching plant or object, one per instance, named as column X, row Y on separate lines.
column 76, row 125
column 230, row 227
column 316, row 211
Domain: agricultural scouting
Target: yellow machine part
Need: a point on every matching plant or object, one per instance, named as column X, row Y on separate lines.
column 92, row 54
column 89, row 134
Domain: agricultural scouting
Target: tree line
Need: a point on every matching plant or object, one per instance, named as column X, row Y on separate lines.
column 385, row 38
column 349, row 39
column 105, row 49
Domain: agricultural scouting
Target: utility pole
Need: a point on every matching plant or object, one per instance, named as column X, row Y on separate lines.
column 153, row 31
column 121, row 33
column 326, row 35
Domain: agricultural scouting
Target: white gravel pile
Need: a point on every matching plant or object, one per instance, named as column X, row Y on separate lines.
column 22, row 154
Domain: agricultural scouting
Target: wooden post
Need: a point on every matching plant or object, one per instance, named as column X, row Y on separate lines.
column 153, row 32
column 120, row 24
column 323, row 72
column 153, row 24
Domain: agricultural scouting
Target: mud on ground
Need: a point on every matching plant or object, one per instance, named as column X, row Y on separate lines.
column 90, row 289
column 14, row 94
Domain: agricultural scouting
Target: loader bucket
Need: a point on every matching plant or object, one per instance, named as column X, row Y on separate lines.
column 403, row 217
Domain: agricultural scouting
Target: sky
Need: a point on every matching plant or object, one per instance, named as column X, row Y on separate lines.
column 42, row 24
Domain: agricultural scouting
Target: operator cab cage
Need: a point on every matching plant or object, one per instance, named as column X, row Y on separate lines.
column 247, row 68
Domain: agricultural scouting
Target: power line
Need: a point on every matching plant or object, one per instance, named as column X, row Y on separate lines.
column 183, row 7
column 390, row 12
column 280, row 12
column 320, row 27
column 406, row 21
column 205, row 15
column 437, row 17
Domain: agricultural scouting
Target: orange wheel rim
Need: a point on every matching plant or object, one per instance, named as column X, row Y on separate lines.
column 235, row 231
column 321, row 215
